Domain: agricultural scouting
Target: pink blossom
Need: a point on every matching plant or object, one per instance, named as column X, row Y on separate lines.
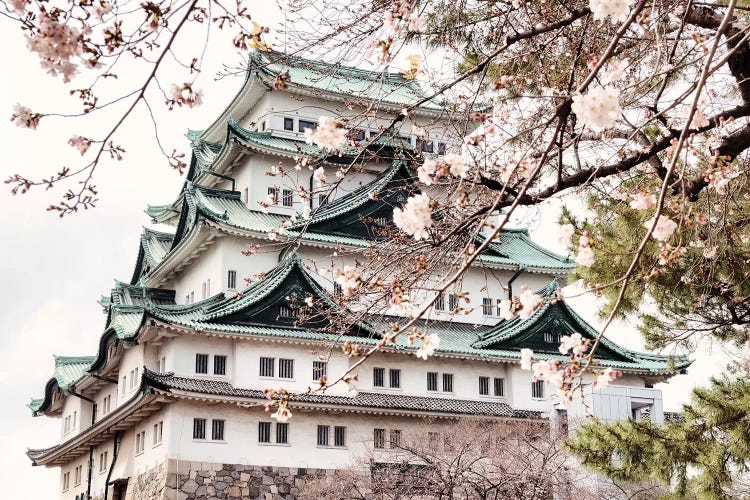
column 348, row 279
column 426, row 170
column 617, row 10
column 415, row 217
column 273, row 235
column 456, row 165
column 665, row 227
column 506, row 309
column 529, row 302
column 565, row 235
column 24, row 117
column 19, row 6
column 329, row 134
column 574, row 342
column 320, row 176
column 283, row 413
column 603, row 379
column 81, row 143
column 642, row 201
column 185, row 95
column 102, row 9
column 56, row 43
column 599, row 108
column 526, row 357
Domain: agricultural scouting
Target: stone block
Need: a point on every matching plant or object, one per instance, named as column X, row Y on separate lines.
column 190, row 487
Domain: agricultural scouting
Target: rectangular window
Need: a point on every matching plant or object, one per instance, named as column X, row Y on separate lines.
column 192, row 297
column 78, row 475
column 378, row 438
column 217, row 430
column 441, row 148
column 282, row 433
column 75, row 419
column 378, row 377
column 320, row 369
column 323, row 431
column 447, row 382
column 264, row 432
column 158, row 432
column 208, row 287
column 452, row 302
column 187, row 299
column 394, row 378
column 263, row 126
column 432, row 378
column 124, row 383
column 103, row 461
column 552, row 337
column 499, row 387
column 140, row 442
column 273, row 193
column 304, row 124
column 339, row 436
column 203, row 290
column 220, row 365
column 487, row 306
column 245, row 195
column 163, row 364
column 135, row 376
column 322, row 199
column 440, row 302
column 498, row 303
column 106, row 405
column 286, row 311
column 395, row 438
column 286, row 368
column 289, row 124
column 201, row 363
column 537, row 389
column 132, row 378
column 199, row 428
column 267, row 367
column 337, row 290
column 287, row 197
column 231, row 279
column 66, row 481
column 425, row 146
column 484, row 386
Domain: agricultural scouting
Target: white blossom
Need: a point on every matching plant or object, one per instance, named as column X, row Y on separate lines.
column 565, row 235
column 643, row 201
column 273, row 235
column 599, row 108
column 429, row 344
column 309, row 301
column 415, row 217
column 529, row 302
column 665, row 227
column 23, row 117
column 320, row 176
column 426, row 170
column 329, row 134
column 306, row 212
column 348, row 279
column 617, row 10
column 283, row 413
column 526, row 357
column 604, row 378
column 574, row 342
column 506, row 309
column 456, row 165
column 80, row 143
column 585, row 256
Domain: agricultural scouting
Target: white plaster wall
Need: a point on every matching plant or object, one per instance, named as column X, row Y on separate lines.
column 132, row 358
column 180, row 355
column 206, row 266
column 74, row 489
column 82, row 409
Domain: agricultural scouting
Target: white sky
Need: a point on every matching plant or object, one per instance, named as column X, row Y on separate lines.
column 54, row 270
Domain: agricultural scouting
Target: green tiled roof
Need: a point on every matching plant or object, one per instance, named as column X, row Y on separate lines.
column 391, row 88
column 154, row 246
column 35, row 404
column 68, row 369
column 518, row 247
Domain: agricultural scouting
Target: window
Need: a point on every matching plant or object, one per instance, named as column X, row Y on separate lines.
column 551, row 337
column 158, row 432
column 322, row 199
column 140, row 442
column 106, row 404
column 441, row 148
column 192, row 297
column 395, row 438
column 287, row 197
column 447, row 382
column 273, row 193
column 487, row 308
column 289, row 124
column 339, row 436
column 286, row 368
column 378, row 377
column 132, row 378
column 220, row 365
column 282, row 433
column 75, row 419
column 452, row 302
column 484, row 386
column 394, row 378
column 203, row 290
column 499, row 387
column 304, row 124
column 320, row 369
column 199, row 428
column 433, row 440
column 217, row 430
column 208, row 287
column 537, row 389
column 231, row 279
column 264, row 432
column 267, row 367
column 245, row 195
column 66, row 425
column 78, row 475
column 187, row 299
column 378, row 438
column 135, row 376
column 337, row 290
column 201, row 363
column 103, row 461
column 323, row 431
column 163, row 364
column 425, row 146
column 263, row 126
column 66, row 481
column 440, row 302
column 432, row 378
column 356, row 134
column 286, row 311
column 124, row 383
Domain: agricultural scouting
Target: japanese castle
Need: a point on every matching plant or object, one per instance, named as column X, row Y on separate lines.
column 171, row 405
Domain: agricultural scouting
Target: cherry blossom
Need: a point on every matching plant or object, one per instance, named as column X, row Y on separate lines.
column 19, row 6
column 306, row 212
column 574, row 342
column 642, row 201
column 617, row 10
column 101, row 9
column 456, row 164
column 415, row 217
column 320, row 176
column 565, row 235
column 348, row 279
column 184, row 95
column 56, row 43
column 616, row 70
column 329, row 134
column 283, row 413
column 426, row 170
column 273, row 235
column 506, row 309
column 526, row 356
column 529, row 302
column 603, row 379
column 429, row 344
column 585, row 256
column 547, row 370
column 599, row 108
column 80, row 143
column 665, row 227
column 309, row 301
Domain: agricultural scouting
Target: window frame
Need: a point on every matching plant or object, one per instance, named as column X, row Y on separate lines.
column 158, row 436
column 264, row 431
column 199, row 429
column 323, row 435
column 218, row 428
column 501, row 385
column 339, row 431
column 432, row 381
column 269, row 362
column 394, row 375
column 321, row 368
column 378, row 438
column 448, row 377
column 288, row 365
column 287, row 195
column 201, row 360
column 488, row 307
column 224, row 362
column 378, row 375
column 291, row 122
column 484, row 386
column 537, row 389
column 285, row 434
column 305, row 124
column 231, row 279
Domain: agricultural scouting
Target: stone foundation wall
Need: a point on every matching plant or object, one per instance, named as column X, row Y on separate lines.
column 175, row 480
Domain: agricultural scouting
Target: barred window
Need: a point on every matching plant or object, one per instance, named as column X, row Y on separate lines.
column 378, row 377
column 378, row 438
column 322, row 199
column 499, row 387
column 287, row 197
column 484, row 386
column 264, row 432
column 220, row 365
column 339, row 436
column 201, row 363
column 288, row 123
column 286, row 311
column 282, row 433
column 217, row 430
column 323, row 431
column 394, row 378
column 440, row 302
column 432, row 381
column 395, row 438
column 199, row 428
column 231, row 279
column 452, row 302
column 337, row 290
column 447, row 382
column 487, row 308
column 537, row 389
column 286, row 368
column 320, row 370
column 552, row 337
column 267, row 367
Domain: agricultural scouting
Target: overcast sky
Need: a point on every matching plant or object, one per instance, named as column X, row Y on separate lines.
column 53, row 271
